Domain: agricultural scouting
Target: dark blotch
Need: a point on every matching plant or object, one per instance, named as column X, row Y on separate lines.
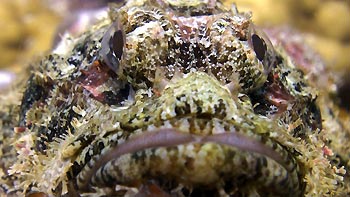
column 35, row 92
column 57, row 127
column 343, row 92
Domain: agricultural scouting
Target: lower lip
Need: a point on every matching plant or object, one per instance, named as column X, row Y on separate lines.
column 172, row 137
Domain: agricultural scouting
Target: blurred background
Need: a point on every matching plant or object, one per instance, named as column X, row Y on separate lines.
column 326, row 24
column 30, row 27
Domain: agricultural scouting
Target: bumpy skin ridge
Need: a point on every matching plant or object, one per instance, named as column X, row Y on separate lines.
column 171, row 97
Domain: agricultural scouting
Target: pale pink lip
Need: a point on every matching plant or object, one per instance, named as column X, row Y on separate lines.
column 172, row 137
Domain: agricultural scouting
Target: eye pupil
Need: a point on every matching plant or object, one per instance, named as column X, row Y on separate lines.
column 259, row 46
column 117, row 43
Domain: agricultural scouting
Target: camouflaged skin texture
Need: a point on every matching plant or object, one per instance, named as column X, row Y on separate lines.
column 173, row 98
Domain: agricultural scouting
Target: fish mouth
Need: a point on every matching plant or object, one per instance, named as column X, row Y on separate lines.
column 94, row 173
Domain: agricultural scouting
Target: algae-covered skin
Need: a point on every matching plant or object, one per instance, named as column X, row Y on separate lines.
column 173, row 98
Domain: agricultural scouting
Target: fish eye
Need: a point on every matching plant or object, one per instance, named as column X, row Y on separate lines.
column 117, row 44
column 263, row 49
column 259, row 46
column 112, row 46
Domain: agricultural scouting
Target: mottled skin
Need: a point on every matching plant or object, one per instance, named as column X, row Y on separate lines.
column 172, row 97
